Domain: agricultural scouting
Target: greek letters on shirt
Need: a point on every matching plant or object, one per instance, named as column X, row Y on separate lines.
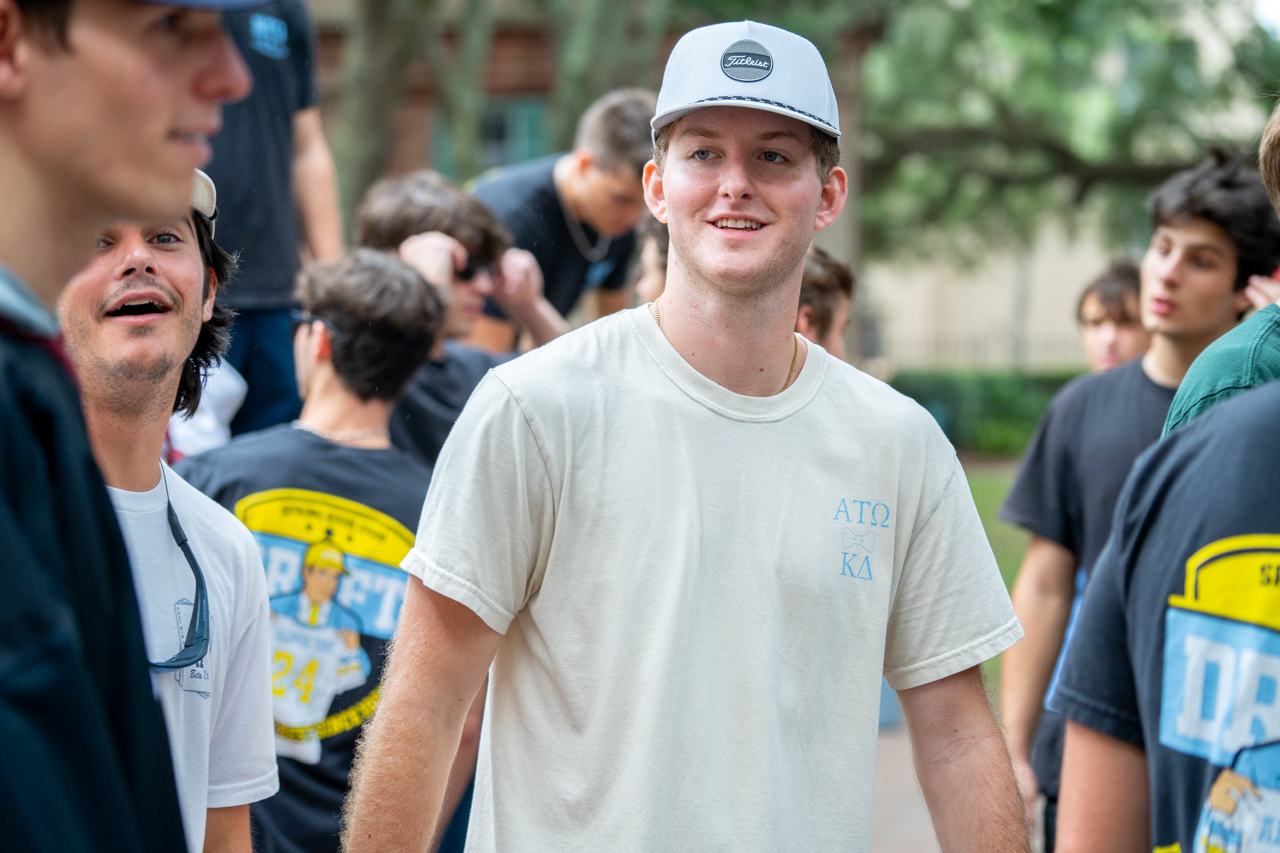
column 860, row 519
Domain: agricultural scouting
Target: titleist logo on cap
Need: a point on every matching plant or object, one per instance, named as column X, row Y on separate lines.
column 746, row 61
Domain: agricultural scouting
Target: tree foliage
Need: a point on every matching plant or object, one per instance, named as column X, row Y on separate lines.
column 983, row 117
column 974, row 119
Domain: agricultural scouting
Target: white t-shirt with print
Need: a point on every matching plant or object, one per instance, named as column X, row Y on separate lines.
column 699, row 593
column 218, row 712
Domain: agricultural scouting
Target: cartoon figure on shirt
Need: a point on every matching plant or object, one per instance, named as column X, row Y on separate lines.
column 316, row 652
column 1220, row 697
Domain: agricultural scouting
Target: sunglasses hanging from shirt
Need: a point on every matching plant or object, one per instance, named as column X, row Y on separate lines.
column 196, row 645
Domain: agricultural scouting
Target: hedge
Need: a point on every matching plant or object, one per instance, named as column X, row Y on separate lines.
column 989, row 413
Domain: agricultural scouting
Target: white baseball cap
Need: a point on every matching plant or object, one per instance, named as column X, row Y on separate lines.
column 204, row 198
column 745, row 64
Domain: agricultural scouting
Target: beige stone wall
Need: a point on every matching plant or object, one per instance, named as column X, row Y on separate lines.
column 940, row 315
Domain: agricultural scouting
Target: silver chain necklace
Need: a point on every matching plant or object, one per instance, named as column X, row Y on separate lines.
column 593, row 254
column 338, row 436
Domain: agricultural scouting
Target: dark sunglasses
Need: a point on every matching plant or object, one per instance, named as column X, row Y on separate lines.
column 474, row 268
column 298, row 319
column 196, row 645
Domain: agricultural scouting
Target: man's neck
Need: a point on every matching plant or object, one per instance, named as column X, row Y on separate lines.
column 44, row 239
column 743, row 344
column 127, row 441
column 567, row 187
column 331, row 408
column 1169, row 359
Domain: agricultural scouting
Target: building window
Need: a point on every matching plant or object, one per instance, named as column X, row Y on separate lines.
column 512, row 130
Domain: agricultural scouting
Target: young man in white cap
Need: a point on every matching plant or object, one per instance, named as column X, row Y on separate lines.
column 106, row 107
column 142, row 328
column 690, row 542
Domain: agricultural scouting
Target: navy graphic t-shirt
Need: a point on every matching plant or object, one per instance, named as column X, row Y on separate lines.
column 252, row 163
column 524, row 198
column 1067, row 487
column 333, row 523
column 1177, row 648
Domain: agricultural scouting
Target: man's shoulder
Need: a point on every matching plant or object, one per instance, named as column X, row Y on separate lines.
column 1237, row 358
column 511, row 189
column 866, row 394
column 580, row 359
column 207, row 516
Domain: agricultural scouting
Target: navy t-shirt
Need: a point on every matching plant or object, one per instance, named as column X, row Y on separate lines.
column 435, row 396
column 524, row 197
column 314, row 507
column 1177, row 648
column 1070, row 478
column 253, row 155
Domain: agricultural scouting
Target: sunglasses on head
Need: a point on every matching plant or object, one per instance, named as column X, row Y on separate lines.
column 473, row 268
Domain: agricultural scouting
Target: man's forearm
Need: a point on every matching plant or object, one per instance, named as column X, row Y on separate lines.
column 315, row 188
column 1042, row 597
column 964, row 768
column 437, row 666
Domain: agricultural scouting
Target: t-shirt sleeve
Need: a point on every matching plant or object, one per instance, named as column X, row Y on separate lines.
column 950, row 609
column 485, row 532
column 1096, row 687
column 1045, row 497
column 242, row 756
column 302, row 51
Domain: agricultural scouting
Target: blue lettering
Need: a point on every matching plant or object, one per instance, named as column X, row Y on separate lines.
column 847, row 571
column 843, row 508
column 884, row 523
column 865, row 571
column 861, row 506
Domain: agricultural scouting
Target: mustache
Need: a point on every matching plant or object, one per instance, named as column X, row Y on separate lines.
column 139, row 283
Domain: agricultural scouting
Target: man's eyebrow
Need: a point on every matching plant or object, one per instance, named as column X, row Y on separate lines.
column 708, row 133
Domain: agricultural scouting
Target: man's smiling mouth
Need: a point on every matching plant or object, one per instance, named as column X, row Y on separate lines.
column 738, row 224
column 138, row 307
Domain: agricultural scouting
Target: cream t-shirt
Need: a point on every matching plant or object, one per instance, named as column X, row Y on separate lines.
column 699, row 592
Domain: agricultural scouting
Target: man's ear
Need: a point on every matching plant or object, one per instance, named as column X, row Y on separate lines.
column 805, row 324
column 835, row 191
column 210, row 293
column 1242, row 302
column 583, row 160
column 654, row 195
column 323, row 341
column 15, row 50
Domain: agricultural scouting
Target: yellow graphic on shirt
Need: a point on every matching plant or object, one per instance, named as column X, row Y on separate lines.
column 333, row 575
column 1236, row 578
column 1220, row 688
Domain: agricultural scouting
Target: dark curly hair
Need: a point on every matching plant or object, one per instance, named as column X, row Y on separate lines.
column 1226, row 191
column 215, row 333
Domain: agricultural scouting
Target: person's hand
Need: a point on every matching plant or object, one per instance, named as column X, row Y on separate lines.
column 435, row 256
column 517, row 287
column 1262, row 291
column 1027, row 786
column 349, row 637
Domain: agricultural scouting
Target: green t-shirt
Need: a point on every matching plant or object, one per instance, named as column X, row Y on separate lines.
column 1243, row 358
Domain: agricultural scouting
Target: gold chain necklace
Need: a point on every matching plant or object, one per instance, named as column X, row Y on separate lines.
column 795, row 350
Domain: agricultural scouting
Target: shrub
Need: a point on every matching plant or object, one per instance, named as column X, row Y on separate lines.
column 988, row 413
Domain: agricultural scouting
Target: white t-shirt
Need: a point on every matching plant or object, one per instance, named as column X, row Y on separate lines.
column 699, row 592
column 218, row 712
